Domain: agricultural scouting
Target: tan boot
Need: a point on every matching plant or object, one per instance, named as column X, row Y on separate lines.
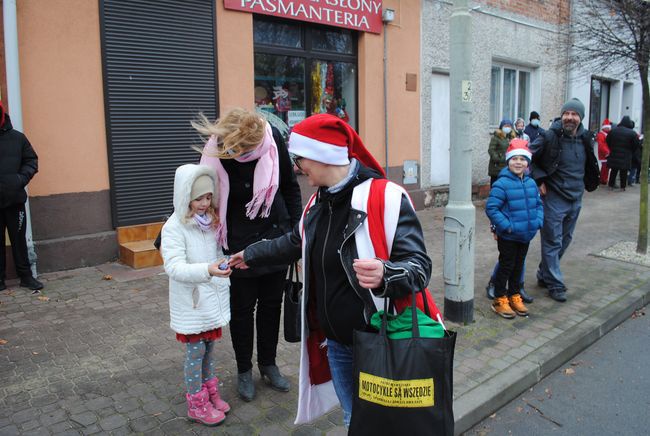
column 501, row 307
column 517, row 304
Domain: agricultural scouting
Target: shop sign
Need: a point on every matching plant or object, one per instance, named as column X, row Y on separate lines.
column 362, row 15
column 294, row 117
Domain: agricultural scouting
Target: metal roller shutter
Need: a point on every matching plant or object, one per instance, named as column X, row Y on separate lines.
column 159, row 73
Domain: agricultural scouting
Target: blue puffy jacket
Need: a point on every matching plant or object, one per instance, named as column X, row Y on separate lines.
column 515, row 207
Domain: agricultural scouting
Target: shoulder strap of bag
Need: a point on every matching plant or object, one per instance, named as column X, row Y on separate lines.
column 379, row 236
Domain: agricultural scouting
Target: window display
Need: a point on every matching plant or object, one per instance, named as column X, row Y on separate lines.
column 280, row 86
column 303, row 69
column 332, row 86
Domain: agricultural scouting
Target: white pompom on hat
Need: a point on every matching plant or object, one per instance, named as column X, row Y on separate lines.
column 518, row 147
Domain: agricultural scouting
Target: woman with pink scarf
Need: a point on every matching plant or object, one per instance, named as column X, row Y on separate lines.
column 259, row 199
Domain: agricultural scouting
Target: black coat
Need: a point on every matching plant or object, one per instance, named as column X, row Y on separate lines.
column 623, row 143
column 285, row 211
column 18, row 164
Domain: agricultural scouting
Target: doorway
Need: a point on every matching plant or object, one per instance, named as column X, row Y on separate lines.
column 439, row 129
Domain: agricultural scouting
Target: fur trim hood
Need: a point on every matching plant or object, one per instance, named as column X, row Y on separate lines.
column 501, row 134
column 183, row 180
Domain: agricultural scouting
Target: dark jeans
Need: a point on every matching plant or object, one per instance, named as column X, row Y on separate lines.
column 612, row 177
column 512, row 255
column 265, row 293
column 14, row 220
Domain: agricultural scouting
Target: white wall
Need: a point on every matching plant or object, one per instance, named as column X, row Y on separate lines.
column 497, row 36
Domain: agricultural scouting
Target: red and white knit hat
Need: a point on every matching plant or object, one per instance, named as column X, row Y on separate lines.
column 518, row 147
column 328, row 139
column 607, row 125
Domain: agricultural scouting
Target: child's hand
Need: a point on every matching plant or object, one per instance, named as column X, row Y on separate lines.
column 542, row 189
column 220, row 269
column 494, row 236
column 237, row 261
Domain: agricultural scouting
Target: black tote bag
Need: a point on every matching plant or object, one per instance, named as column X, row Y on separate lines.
column 292, row 290
column 403, row 386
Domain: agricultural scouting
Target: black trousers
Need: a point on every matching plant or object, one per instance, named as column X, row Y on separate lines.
column 14, row 220
column 512, row 255
column 247, row 294
column 612, row 177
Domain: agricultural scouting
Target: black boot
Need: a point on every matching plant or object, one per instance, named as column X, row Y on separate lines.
column 271, row 375
column 31, row 283
column 524, row 295
column 557, row 294
column 2, row 285
column 245, row 386
column 489, row 289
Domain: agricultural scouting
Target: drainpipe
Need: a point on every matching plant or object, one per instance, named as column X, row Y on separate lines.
column 14, row 99
column 387, row 16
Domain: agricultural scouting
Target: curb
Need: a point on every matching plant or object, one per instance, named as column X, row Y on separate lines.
column 474, row 405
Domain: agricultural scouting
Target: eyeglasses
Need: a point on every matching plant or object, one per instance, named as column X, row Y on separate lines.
column 296, row 161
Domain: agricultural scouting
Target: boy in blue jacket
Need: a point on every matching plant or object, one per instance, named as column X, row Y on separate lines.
column 516, row 213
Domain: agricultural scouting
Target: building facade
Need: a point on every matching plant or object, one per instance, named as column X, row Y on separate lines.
column 109, row 88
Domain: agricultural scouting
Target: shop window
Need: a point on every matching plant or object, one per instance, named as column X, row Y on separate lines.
column 303, row 69
column 509, row 93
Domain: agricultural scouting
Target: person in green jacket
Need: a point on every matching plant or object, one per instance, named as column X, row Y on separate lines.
column 498, row 146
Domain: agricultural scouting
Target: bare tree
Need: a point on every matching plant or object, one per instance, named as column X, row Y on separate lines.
column 614, row 36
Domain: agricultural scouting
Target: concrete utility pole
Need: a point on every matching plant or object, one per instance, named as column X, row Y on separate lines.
column 460, row 219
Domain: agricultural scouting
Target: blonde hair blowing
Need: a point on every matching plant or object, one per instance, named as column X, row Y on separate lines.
column 237, row 132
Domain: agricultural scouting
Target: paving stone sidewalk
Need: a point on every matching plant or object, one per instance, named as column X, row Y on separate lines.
column 95, row 356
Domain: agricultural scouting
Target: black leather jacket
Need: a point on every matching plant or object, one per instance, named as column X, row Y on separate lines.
column 409, row 266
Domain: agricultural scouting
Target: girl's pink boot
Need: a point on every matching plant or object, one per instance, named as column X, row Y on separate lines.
column 200, row 409
column 215, row 398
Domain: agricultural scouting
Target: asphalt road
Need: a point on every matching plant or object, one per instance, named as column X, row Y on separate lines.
column 605, row 390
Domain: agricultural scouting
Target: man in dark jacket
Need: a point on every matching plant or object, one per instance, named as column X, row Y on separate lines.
column 533, row 128
column 18, row 164
column 623, row 143
column 564, row 165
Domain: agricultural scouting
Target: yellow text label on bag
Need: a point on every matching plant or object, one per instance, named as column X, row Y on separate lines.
column 396, row 393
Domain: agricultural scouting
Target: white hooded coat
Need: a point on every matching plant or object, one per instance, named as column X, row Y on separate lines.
column 198, row 302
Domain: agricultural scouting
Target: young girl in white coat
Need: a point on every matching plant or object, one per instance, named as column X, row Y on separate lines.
column 199, row 294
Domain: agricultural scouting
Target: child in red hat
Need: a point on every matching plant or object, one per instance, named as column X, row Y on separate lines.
column 516, row 213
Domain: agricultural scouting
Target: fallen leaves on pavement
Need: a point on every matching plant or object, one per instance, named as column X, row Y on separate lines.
column 44, row 298
column 569, row 371
column 3, row 341
column 107, row 277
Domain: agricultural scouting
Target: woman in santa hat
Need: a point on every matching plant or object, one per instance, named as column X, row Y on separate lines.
column 339, row 238
column 603, row 150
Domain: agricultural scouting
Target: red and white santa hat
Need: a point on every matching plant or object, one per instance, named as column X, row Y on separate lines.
column 518, row 147
column 607, row 125
column 328, row 139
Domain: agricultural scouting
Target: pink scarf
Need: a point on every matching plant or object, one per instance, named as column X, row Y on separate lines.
column 265, row 180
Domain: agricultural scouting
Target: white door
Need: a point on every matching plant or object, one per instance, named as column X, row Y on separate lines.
column 439, row 129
